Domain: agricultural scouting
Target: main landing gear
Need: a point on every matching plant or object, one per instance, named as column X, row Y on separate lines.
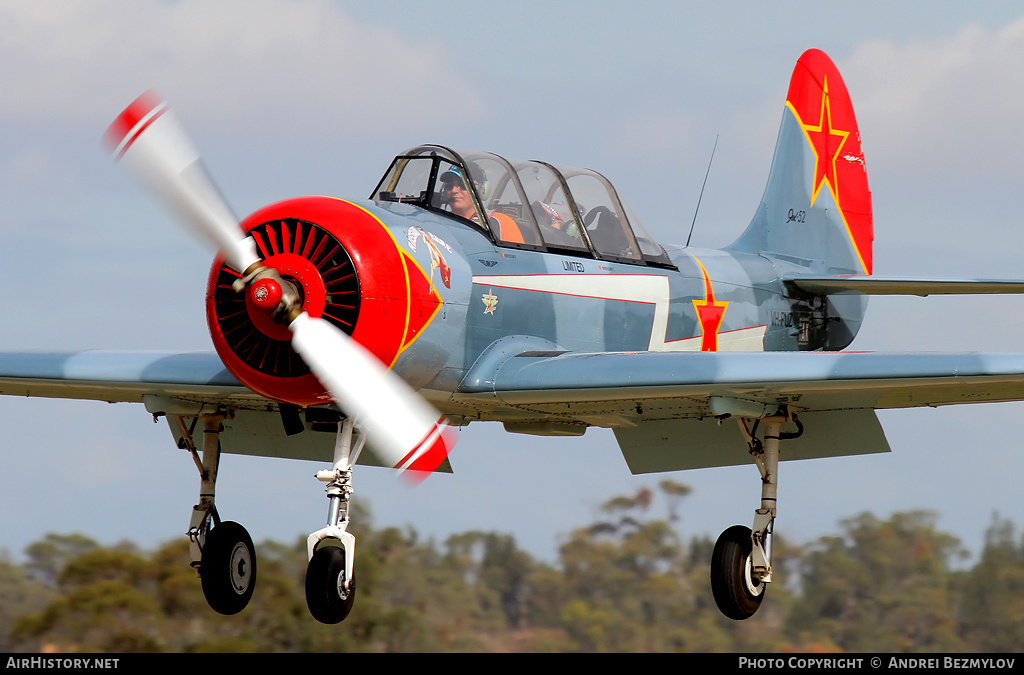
column 223, row 554
column 741, row 563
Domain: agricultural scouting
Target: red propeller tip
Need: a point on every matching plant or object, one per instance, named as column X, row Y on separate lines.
column 431, row 452
column 123, row 131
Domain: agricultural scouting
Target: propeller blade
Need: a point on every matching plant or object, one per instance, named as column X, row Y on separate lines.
column 149, row 140
column 406, row 430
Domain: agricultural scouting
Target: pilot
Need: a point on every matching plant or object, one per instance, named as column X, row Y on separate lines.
column 553, row 227
column 454, row 193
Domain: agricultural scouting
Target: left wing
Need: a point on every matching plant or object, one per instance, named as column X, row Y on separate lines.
column 666, row 407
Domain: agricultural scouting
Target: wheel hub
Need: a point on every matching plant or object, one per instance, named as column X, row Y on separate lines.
column 753, row 584
column 239, row 568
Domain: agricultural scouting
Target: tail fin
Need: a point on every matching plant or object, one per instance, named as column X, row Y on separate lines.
column 816, row 208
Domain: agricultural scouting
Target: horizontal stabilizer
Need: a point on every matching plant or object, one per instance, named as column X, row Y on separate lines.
column 875, row 285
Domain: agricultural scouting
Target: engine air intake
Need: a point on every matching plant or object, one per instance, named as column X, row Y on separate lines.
column 319, row 267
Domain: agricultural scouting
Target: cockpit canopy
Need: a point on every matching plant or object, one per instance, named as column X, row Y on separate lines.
column 521, row 204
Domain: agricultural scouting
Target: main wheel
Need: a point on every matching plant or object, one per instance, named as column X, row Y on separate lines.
column 326, row 597
column 737, row 592
column 228, row 568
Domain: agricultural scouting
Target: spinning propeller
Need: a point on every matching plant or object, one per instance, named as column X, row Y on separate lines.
column 404, row 429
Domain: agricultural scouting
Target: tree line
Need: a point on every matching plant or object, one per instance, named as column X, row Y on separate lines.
column 629, row 582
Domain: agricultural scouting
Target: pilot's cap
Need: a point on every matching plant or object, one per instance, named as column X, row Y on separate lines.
column 456, row 174
column 451, row 175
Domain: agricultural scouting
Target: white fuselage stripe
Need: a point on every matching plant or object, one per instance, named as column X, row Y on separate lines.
column 652, row 289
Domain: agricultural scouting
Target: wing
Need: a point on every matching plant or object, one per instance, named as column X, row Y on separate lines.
column 187, row 379
column 176, row 385
column 667, row 408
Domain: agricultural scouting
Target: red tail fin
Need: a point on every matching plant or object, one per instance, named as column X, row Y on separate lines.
column 816, row 208
column 819, row 100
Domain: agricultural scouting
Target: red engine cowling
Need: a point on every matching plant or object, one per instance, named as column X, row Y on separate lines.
column 348, row 269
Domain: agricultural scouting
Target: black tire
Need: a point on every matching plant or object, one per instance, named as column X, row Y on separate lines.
column 327, row 601
column 736, row 593
column 228, row 568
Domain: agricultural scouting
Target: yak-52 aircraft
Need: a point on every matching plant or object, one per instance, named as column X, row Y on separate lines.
column 470, row 288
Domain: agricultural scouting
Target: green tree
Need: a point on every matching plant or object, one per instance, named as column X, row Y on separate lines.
column 881, row 586
column 103, row 605
column 626, row 582
column 496, row 569
column 19, row 595
column 47, row 557
column 993, row 593
column 623, row 589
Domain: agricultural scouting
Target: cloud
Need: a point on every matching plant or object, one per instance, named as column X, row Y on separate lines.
column 948, row 105
column 263, row 63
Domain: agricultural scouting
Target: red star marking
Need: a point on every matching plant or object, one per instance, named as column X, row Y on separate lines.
column 827, row 143
column 709, row 313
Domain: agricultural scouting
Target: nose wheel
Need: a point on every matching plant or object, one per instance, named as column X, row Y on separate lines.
column 330, row 592
column 330, row 574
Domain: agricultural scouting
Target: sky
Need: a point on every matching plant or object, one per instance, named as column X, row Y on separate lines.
column 315, row 97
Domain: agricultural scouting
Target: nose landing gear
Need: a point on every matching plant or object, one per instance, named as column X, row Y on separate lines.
column 330, row 591
column 330, row 574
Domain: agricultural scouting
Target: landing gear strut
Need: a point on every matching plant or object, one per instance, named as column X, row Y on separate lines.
column 222, row 551
column 330, row 574
column 741, row 563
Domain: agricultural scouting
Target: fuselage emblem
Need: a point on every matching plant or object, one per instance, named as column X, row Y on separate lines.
column 437, row 261
column 490, row 302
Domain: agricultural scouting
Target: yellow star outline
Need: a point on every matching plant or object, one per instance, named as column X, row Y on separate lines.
column 710, row 313
column 821, row 137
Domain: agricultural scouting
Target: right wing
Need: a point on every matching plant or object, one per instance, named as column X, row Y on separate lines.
column 123, row 376
column 175, row 384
